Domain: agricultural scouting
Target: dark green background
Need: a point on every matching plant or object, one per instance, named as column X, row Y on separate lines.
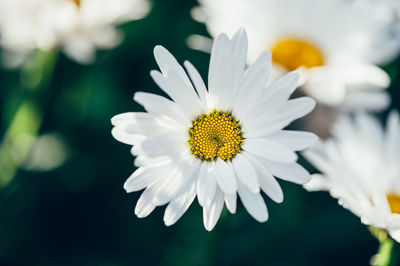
column 79, row 214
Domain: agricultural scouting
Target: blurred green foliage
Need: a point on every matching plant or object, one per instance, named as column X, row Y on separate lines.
column 79, row 213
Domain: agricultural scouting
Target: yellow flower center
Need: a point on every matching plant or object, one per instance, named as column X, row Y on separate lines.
column 77, row 2
column 394, row 203
column 215, row 135
column 295, row 53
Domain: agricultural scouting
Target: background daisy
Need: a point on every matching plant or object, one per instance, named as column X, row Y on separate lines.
column 336, row 45
column 78, row 27
column 360, row 168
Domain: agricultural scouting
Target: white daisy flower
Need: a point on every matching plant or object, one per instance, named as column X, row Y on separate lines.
column 360, row 167
column 79, row 27
column 218, row 142
column 335, row 44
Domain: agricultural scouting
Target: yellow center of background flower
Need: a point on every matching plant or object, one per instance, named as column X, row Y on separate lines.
column 394, row 203
column 215, row 135
column 295, row 53
column 77, row 2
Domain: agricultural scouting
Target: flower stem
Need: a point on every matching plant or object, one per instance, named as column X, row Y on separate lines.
column 384, row 253
column 25, row 124
column 387, row 255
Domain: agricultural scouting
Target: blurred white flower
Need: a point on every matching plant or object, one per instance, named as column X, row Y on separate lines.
column 79, row 27
column 335, row 44
column 360, row 167
column 48, row 152
column 217, row 142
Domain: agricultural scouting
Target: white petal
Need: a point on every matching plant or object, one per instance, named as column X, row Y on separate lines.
column 392, row 135
column 366, row 75
column 177, row 207
column 212, row 213
column 167, row 63
column 140, row 179
column 197, row 82
column 317, row 158
column 131, row 118
column 178, row 90
column 317, row 183
column 225, row 177
column 275, row 96
column 230, row 201
column 294, row 140
column 163, row 107
column 252, row 86
column 122, row 136
column 254, row 204
column 395, row 234
column 282, row 88
column 144, row 205
column 269, row 122
column 216, row 80
column 264, row 128
column 269, row 150
column 325, row 85
column 227, row 62
column 162, row 143
column 206, row 184
column 185, row 94
column 80, row 49
column 267, row 181
column 246, row 172
column 298, row 107
column 366, row 100
column 176, row 182
column 366, row 123
column 292, row 172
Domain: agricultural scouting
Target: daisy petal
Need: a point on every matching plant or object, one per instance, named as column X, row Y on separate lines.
column 267, row 181
column 130, row 117
column 161, row 143
column 292, row 172
column 178, row 90
column 197, row 81
column 298, row 107
column 393, row 131
column 228, row 59
column 144, row 205
column 225, row 177
column 246, row 173
column 295, row 140
column 167, row 62
column 253, row 84
column 395, row 234
column 213, row 212
column 317, row 183
column 177, row 207
column 161, row 106
column 269, row 150
column 178, row 180
column 282, row 88
column 140, row 179
column 230, row 201
column 366, row 100
column 254, row 203
column 206, row 185
column 122, row 136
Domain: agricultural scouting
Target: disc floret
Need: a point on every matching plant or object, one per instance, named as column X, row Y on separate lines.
column 215, row 135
